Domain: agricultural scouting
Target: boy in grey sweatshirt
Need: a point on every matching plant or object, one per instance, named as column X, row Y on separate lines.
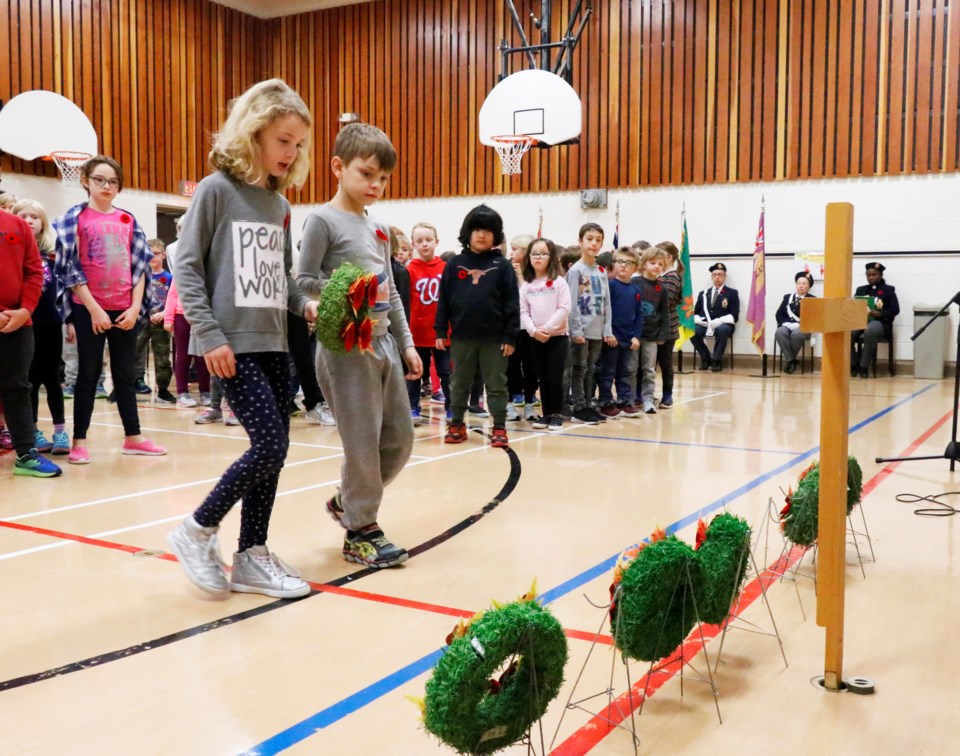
column 367, row 391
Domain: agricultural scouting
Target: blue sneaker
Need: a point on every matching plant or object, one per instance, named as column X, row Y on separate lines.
column 416, row 417
column 101, row 392
column 518, row 400
column 68, row 391
column 61, row 443
column 34, row 465
column 667, row 401
column 449, row 415
column 41, row 443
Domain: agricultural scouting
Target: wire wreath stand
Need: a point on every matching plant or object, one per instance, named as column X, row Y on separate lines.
column 619, row 708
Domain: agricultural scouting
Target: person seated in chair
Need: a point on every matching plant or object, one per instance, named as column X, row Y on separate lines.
column 884, row 307
column 789, row 336
column 715, row 314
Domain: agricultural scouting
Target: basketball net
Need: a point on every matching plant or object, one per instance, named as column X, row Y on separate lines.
column 511, row 149
column 70, row 165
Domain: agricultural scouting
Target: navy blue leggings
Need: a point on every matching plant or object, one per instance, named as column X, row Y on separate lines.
column 259, row 394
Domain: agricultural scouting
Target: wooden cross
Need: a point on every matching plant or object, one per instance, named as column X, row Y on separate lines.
column 834, row 315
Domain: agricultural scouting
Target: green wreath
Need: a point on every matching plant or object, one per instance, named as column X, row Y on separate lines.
column 652, row 610
column 473, row 713
column 346, row 301
column 799, row 519
column 723, row 553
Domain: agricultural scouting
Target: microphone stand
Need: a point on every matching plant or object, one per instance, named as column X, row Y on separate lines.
column 952, row 452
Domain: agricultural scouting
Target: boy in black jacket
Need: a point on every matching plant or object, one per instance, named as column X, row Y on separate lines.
column 479, row 303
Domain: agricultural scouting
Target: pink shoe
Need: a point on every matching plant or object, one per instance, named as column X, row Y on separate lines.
column 146, row 448
column 79, row 456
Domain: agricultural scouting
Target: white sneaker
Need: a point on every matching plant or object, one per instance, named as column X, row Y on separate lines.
column 185, row 400
column 312, row 416
column 198, row 550
column 326, row 416
column 529, row 412
column 205, row 398
column 256, row 570
column 512, row 414
column 231, row 419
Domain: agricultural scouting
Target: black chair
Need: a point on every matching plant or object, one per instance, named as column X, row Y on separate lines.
column 891, row 363
column 811, row 343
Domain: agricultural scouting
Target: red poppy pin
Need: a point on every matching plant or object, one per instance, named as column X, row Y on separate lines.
column 638, row 297
column 286, row 221
column 12, row 238
column 382, row 236
column 550, row 283
column 602, row 269
column 880, row 293
column 461, row 274
column 124, row 218
column 657, row 287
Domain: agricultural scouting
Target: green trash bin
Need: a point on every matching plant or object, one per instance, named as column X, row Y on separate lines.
column 930, row 349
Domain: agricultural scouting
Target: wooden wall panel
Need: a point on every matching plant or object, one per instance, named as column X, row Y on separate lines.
column 674, row 91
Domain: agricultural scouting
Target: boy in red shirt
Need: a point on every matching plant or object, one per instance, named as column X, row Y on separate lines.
column 425, row 269
column 21, row 280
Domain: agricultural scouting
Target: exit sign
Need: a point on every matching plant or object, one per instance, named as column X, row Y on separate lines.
column 187, row 188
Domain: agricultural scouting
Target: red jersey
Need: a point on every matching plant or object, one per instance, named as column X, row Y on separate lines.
column 21, row 272
column 424, row 294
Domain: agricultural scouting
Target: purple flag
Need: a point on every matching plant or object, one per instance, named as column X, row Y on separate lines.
column 757, row 309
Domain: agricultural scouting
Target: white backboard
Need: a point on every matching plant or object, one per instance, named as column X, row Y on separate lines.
column 34, row 124
column 534, row 103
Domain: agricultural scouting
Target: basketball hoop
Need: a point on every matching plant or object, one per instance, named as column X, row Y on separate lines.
column 70, row 165
column 511, row 148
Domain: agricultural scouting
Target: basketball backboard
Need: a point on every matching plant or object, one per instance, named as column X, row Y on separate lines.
column 37, row 123
column 534, row 103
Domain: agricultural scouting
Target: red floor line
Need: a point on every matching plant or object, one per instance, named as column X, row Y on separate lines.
column 602, row 724
column 349, row 592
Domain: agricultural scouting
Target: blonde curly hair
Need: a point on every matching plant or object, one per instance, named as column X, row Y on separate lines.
column 235, row 149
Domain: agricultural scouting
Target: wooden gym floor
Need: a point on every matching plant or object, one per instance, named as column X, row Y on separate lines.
column 107, row 649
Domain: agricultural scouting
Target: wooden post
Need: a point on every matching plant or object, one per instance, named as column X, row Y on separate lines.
column 834, row 315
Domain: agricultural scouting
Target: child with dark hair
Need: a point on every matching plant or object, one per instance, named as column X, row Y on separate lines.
column 479, row 304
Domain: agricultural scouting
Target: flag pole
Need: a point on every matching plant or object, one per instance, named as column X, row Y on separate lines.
column 757, row 307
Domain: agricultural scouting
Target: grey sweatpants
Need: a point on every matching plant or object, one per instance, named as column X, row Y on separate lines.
column 368, row 395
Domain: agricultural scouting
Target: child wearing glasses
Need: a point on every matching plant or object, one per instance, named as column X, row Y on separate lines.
column 103, row 261
column 544, row 311
column 618, row 363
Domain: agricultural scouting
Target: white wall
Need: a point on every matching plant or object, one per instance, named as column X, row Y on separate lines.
column 912, row 213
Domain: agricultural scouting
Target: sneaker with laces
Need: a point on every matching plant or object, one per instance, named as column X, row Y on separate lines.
column 438, row 398
column 61, row 443
column 198, row 550
column 209, row 415
column 498, row 438
column 326, row 416
column 456, row 433
column 611, row 411
column 512, row 414
column 204, row 398
column 585, row 416
column 145, row 448
column 555, row 423
column 596, row 415
column 79, row 456
column 416, row 417
column 539, row 423
column 529, row 412
column 41, row 443
column 649, row 408
column 257, row 570
column 6, row 440
column 186, row 401
column 142, row 387
column 165, row 397
column 33, row 465
column 667, row 401
column 312, row 416
column 370, row 547
column 231, row 419
column 630, row 410
column 101, row 392
column 518, row 400
column 477, row 410
column 335, row 509
column 68, row 391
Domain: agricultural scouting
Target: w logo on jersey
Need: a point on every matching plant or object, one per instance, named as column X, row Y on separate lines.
column 428, row 290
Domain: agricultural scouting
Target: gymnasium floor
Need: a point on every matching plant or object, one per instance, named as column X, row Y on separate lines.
column 107, row 649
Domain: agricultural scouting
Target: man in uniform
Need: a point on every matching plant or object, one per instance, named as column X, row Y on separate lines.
column 884, row 307
column 715, row 314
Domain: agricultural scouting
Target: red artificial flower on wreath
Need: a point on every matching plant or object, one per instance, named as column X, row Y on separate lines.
column 124, row 218
column 349, row 335
column 549, row 283
column 373, row 286
column 462, row 274
column 382, row 236
column 701, row 534
column 365, row 338
column 357, row 292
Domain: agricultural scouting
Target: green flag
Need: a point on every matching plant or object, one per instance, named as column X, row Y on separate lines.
column 685, row 308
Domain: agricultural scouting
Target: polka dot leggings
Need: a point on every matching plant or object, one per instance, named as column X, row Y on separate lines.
column 260, row 396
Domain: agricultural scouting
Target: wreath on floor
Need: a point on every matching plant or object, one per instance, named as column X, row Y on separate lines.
column 496, row 678
column 343, row 312
column 662, row 588
column 799, row 519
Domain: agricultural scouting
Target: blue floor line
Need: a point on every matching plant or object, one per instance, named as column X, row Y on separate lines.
column 310, row 726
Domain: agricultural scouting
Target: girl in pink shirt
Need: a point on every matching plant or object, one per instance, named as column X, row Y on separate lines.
column 544, row 309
